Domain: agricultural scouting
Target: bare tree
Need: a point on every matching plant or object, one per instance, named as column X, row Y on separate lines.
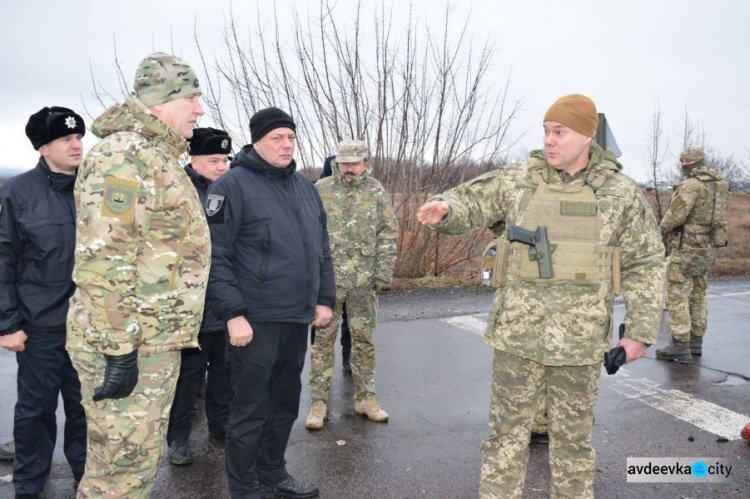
column 656, row 157
column 419, row 96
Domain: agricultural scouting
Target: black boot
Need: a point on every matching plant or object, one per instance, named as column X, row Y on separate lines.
column 179, row 453
column 696, row 345
column 295, row 490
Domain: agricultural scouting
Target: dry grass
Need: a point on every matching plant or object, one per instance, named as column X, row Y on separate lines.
column 734, row 260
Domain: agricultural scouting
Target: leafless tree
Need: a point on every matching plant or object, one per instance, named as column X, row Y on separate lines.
column 420, row 96
column 657, row 153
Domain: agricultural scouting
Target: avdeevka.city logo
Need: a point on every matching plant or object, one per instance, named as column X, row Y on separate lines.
column 678, row 469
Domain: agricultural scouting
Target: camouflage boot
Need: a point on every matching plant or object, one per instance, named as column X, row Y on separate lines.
column 696, row 344
column 370, row 408
column 317, row 416
column 677, row 350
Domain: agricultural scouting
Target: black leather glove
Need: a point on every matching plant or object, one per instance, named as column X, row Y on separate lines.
column 120, row 377
column 615, row 357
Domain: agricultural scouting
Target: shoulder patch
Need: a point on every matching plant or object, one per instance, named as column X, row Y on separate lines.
column 119, row 198
column 215, row 208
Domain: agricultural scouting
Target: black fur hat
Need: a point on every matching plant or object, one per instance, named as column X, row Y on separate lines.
column 51, row 123
column 209, row 141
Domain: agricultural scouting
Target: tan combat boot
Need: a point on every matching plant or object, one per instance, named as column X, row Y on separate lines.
column 370, row 408
column 317, row 416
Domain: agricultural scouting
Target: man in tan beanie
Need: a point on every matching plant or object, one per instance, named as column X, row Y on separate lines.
column 550, row 330
column 141, row 267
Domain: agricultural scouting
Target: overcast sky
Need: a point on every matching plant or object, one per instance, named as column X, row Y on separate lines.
column 628, row 56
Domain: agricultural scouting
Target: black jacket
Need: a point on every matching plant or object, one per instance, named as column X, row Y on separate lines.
column 211, row 323
column 270, row 256
column 37, row 238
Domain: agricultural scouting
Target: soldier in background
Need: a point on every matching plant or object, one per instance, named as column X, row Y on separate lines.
column 550, row 333
column 37, row 241
column 346, row 335
column 693, row 226
column 209, row 160
column 363, row 231
column 142, row 262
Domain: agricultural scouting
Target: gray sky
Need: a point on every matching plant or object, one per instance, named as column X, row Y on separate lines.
column 628, row 56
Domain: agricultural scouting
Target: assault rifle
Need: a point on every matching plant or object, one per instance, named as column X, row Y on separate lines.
column 541, row 250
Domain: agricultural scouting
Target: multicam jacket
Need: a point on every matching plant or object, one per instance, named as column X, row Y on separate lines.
column 566, row 321
column 362, row 229
column 142, row 243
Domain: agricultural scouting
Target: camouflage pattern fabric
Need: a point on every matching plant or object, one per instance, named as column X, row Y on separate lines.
column 686, row 299
column 555, row 333
column 362, row 228
column 362, row 310
column 162, row 77
column 687, row 227
column 126, row 436
column 517, row 387
column 540, row 418
column 142, row 242
column 560, row 323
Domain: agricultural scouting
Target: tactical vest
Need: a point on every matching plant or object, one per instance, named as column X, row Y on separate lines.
column 710, row 214
column 573, row 220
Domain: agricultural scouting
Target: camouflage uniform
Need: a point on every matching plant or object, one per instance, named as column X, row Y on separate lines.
column 362, row 229
column 550, row 335
column 687, row 228
column 142, row 260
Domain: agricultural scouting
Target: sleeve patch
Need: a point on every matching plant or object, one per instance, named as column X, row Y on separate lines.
column 215, row 204
column 119, row 199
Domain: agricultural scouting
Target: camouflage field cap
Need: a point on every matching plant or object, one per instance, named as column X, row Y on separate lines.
column 352, row 151
column 162, row 78
column 692, row 153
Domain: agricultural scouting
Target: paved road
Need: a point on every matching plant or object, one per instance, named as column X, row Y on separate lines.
column 433, row 378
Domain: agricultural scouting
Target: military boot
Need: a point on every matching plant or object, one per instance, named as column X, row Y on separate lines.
column 179, row 453
column 696, row 344
column 370, row 408
column 346, row 362
column 677, row 350
column 317, row 416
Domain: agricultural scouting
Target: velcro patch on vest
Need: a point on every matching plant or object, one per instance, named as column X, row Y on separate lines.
column 578, row 208
column 119, row 198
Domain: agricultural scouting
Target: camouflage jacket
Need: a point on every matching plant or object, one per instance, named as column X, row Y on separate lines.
column 688, row 219
column 566, row 323
column 142, row 243
column 362, row 229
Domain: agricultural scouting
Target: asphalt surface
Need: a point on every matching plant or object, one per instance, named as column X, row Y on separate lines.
column 433, row 378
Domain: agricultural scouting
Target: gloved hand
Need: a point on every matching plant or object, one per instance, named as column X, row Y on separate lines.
column 120, row 377
column 380, row 285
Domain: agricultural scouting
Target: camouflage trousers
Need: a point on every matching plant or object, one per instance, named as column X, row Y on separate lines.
column 361, row 308
column 126, row 436
column 686, row 300
column 518, row 386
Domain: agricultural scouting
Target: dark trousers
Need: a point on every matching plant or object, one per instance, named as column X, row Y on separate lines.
column 44, row 372
column 211, row 355
column 346, row 335
column 266, row 380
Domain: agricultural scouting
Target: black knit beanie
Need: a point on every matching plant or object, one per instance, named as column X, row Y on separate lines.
column 269, row 119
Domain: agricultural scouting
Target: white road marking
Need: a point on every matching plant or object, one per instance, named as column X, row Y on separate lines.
column 705, row 415
column 7, row 478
